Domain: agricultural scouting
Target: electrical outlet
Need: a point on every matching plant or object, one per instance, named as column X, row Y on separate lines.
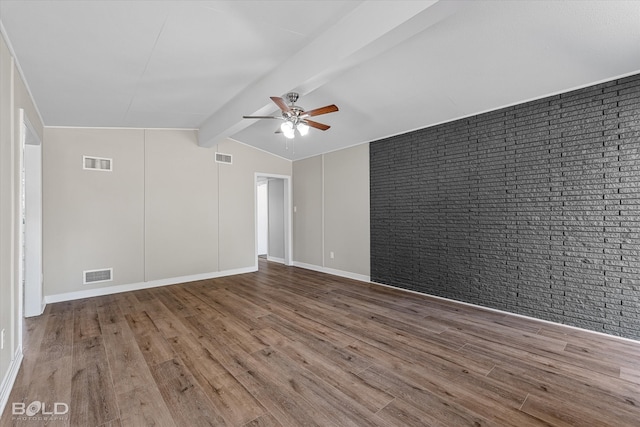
column 331, row 255
column 295, row 209
column 2, row 340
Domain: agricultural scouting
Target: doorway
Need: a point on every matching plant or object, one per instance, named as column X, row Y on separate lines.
column 31, row 214
column 273, row 218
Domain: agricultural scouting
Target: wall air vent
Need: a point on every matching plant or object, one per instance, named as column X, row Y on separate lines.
column 97, row 163
column 223, row 158
column 97, row 276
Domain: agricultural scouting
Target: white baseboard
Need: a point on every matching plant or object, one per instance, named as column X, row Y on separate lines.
column 176, row 280
column 108, row 290
column 9, row 379
column 367, row 279
column 275, row 259
column 333, row 271
column 496, row 310
column 42, row 307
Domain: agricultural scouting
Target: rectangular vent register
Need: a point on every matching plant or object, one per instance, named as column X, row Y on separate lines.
column 97, row 163
column 223, row 158
column 97, row 276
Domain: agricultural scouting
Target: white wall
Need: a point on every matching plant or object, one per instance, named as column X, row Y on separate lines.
column 308, row 210
column 167, row 212
column 13, row 95
column 7, row 224
column 346, row 209
column 331, row 199
column 181, row 205
column 237, row 201
column 92, row 219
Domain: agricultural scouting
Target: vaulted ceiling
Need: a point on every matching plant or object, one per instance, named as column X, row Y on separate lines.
column 390, row 66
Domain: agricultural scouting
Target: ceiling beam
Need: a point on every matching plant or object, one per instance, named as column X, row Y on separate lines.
column 369, row 30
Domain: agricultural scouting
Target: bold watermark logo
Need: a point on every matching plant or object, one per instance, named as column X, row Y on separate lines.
column 39, row 411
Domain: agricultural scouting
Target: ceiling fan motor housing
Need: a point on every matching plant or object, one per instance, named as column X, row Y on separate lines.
column 294, row 114
column 292, row 97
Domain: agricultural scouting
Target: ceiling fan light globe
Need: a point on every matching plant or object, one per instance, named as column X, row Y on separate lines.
column 290, row 134
column 286, row 126
column 303, row 129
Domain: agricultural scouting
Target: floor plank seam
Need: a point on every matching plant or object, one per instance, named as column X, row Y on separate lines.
column 491, row 370
column 377, row 413
column 524, row 401
column 355, row 354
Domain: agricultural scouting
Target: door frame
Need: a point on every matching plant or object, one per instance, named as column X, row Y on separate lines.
column 288, row 217
column 31, row 295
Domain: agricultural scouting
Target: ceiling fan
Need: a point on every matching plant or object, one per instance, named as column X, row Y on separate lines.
column 295, row 117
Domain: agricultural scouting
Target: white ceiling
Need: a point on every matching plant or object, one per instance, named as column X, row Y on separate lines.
column 390, row 66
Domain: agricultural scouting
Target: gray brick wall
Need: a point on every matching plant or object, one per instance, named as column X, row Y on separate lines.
column 532, row 209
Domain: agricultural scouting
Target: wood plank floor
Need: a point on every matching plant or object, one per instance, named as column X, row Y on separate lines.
column 291, row 347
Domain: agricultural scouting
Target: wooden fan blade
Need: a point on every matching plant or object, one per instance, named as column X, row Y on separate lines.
column 281, row 104
column 316, row 125
column 322, row 110
column 261, row 117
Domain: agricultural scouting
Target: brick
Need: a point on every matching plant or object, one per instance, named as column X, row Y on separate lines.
column 533, row 209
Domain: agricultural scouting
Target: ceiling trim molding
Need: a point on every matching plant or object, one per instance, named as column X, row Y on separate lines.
column 16, row 62
column 560, row 92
